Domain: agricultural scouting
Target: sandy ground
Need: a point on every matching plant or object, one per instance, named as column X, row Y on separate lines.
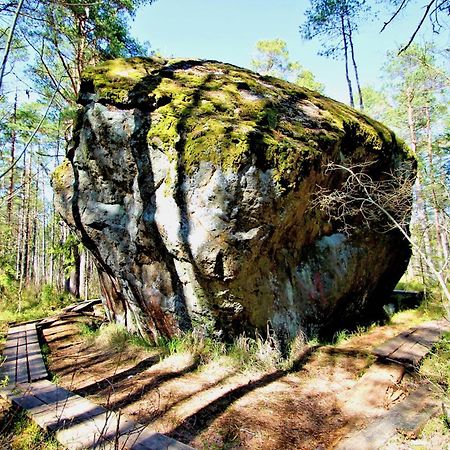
column 216, row 406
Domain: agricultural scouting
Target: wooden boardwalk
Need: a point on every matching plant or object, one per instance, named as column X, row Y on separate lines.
column 410, row 347
column 23, row 361
column 70, row 311
column 370, row 393
column 407, row 417
column 77, row 422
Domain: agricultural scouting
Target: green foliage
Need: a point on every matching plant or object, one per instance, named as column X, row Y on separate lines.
column 35, row 303
column 341, row 336
column 307, row 80
column 8, row 282
column 45, row 352
column 432, row 305
column 67, row 250
column 89, row 330
column 18, row 432
column 73, row 35
column 27, row 435
column 436, row 426
column 273, row 59
column 5, row 380
column 137, row 340
column 410, row 285
column 376, row 103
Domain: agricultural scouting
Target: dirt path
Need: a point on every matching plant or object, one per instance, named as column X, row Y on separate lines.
column 215, row 405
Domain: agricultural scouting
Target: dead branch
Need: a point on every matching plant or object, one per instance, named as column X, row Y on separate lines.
column 374, row 202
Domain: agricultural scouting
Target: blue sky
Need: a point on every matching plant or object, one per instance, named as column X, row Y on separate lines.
column 227, row 30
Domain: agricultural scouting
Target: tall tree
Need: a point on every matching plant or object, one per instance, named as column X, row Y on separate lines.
column 335, row 22
column 71, row 36
column 415, row 104
column 61, row 39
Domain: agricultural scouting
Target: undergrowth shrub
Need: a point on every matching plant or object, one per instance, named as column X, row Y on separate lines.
column 244, row 353
column 410, row 285
column 203, row 349
column 31, row 304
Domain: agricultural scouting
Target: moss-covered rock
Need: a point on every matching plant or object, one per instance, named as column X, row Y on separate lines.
column 191, row 183
column 218, row 113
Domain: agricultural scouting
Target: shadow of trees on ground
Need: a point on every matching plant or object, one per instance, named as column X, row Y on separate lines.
column 200, row 420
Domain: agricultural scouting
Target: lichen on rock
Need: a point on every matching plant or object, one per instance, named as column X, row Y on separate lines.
column 190, row 181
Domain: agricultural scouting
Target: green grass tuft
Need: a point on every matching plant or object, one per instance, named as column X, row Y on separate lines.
column 89, row 330
column 244, row 353
column 436, row 366
column 112, row 337
column 18, row 432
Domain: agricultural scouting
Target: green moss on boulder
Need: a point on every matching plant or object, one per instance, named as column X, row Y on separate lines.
column 62, row 176
column 216, row 112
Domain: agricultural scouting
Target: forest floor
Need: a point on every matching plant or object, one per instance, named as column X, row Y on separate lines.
column 218, row 405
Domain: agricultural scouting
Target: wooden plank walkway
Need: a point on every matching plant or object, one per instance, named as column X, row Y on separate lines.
column 371, row 394
column 77, row 422
column 407, row 417
column 81, row 306
column 70, row 311
column 23, row 361
column 410, row 347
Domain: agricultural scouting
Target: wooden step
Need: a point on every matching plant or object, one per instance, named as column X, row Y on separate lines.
column 410, row 347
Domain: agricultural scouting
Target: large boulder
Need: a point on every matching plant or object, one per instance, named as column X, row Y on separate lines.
column 191, row 182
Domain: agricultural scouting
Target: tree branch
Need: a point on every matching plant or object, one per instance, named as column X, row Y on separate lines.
column 402, row 5
column 359, row 193
column 427, row 9
column 56, row 85
column 9, row 41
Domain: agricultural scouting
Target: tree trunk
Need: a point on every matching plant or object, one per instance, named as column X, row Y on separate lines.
column 355, row 67
column 347, row 76
column 411, row 121
column 418, row 187
column 13, row 152
column 441, row 245
column 26, row 237
column 72, row 282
